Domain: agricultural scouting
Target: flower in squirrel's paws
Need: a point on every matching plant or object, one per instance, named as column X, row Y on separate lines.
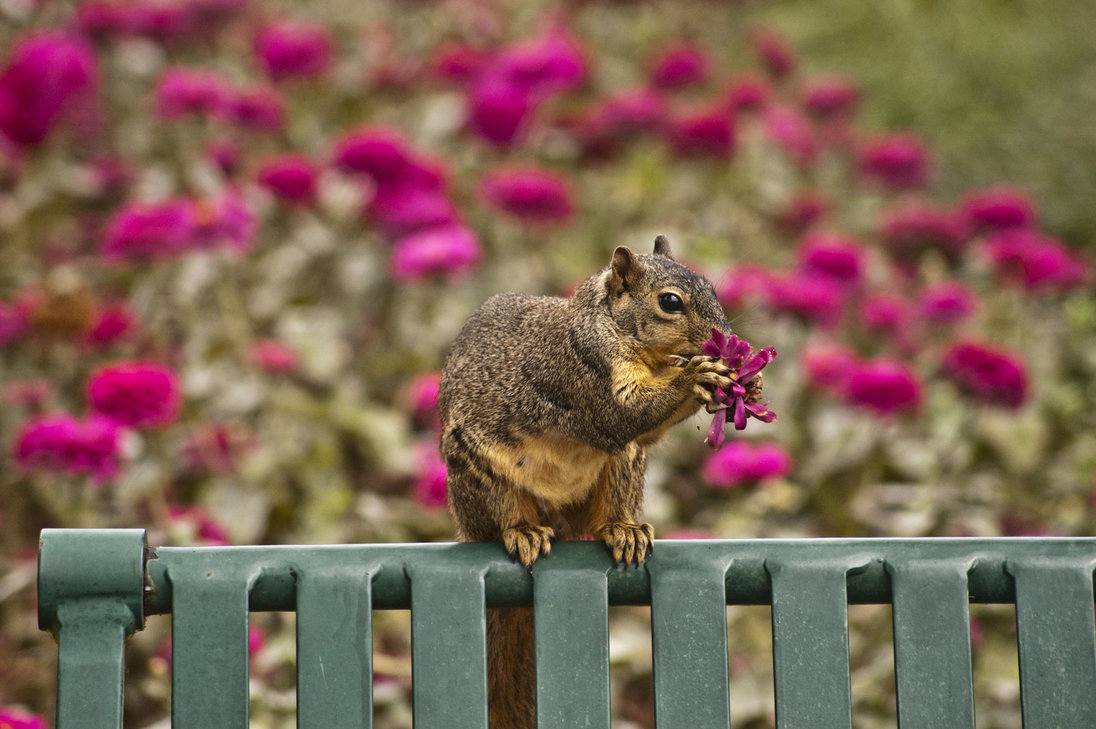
column 745, row 364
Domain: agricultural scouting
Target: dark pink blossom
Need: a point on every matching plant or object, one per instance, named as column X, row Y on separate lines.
column 12, row 718
column 143, row 232
column 48, row 75
column 499, row 110
column 224, row 154
column 289, row 177
column 182, row 91
column 14, row 322
column 885, row 386
column 998, row 208
column 837, row 257
column 447, row 250
column 257, row 110
column 989, row 375
column 742, row 462
column 422, row 398
column 745, row 364
column 748, row 92
column 679, row 64
column 703, row 132
column 917, row 226
column 828, row 366
column 744, row 286
column 946, row 303
column 633, row 112
column 816, row 299
column 429, row 487
column 67, row 445
column 802, row 211
column 193, row 524
column 224, row 221
column 135, row 394
column 529, row 194
column 112, row 323
column 774, row 52
column 791, row 131
column 1039, row 263
column 293, row 49
column 887, row 314
column 459, row 63
column 405, row 209
column 273, row 355
column 898, row 161
column 551, row 62
column 387, row 157
column 831, row 97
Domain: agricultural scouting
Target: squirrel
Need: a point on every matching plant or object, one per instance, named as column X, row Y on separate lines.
column 548, row 407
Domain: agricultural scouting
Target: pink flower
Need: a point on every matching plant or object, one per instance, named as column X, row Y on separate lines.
column 12, row 718
column 386, row 156
column 113, row 323
column 884, row 385
column 917, row 226
column 704, row 132
column 422, row 397
column 802, row 211
column 998, row 208
column 429, row 487
column 837, row 257
column 289, row 49
column 135, row 394
column 1037, row 262
column 744, row 286
column 816, row 299
column 828, row 366
column 633, row 112
column 946, row 303
column 142, row 231
column 223, row 222
column 181, row 91
column 775, row 52
column 459, row 63
column 447, row 250
column 529, row 194
column 886, row 314
column 63, row 443
column 49, row 75
column 499, row 110
column 989, row 375
column 899, row 161
column 273, row 356
column 679, row 64
column 289, row 177
column 742, row 462
column 549, row 63
column 193, row 524
column 257, row 110
column 791, row 131
column 406, row 208
column 14, row 322
column 744, row 364
column 829, row 98
column 224, row 154
column 748, row 92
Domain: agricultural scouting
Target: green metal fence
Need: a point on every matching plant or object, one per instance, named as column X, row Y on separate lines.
column 97, row 586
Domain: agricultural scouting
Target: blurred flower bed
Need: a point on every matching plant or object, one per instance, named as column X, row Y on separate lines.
column 237, row 238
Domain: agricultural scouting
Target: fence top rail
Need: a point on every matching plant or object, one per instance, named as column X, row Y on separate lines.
column 70, row 561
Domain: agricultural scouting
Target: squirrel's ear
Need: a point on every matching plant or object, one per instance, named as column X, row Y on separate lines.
column 662, row 247
column 625, row 270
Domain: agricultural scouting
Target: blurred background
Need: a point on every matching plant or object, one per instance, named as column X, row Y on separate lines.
column 237, row 236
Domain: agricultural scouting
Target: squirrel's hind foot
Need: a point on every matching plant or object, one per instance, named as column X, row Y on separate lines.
column 527, row 542
column 629, row 542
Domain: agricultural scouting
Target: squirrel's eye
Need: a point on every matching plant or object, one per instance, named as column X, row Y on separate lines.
column 671, row 303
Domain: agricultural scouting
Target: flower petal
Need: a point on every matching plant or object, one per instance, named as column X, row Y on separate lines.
column 739, row 414
column 716, row 433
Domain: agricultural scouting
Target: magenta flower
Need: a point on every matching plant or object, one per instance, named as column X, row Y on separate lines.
column 293, row 49
column 405, row 209
column 386, row 156
column 743, row 286
column 998, row 208
column 946, row 303
column 883, row 385
column 447, row 250
column 14, row 322
column 745, row 364
column 429, row 487
column 67, row 445
column 837, row 257
column 828, row 366
column 679, row 64
column 459, row 63
column 742, row 462
column 774, row 51
column 989, row 375
column 802, row 211
column 193, row 524
column 816, row 299
column 899, row 161
column 1039, row 263
column 704, row 132
column 182, row 91
column 112, row 323
column 917, row 226
column 499, row 110
column 829, row 98
column 273, row 356
column 529, row 194
column 289, row 177
column 135, row 394
column 143, row 232
column 886, row 314
column 633, row 112
column 224, row 154
column 12, row 718
column 48, row 75
column 549, row 63
column 257, row 110
column 422, row 398
column 225, row 221
column 748, row 92
column 791, row 131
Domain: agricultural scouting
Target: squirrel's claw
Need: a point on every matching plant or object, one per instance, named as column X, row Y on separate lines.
column 527, row 542
column 629, row 543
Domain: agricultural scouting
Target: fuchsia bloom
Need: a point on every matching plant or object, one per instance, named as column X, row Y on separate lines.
column 14, row 322
column 745, row 364
column 837, row 257
column 63, row 443
column 998, row 208
column 532, row 195
column 828, row 366
column 830, row 97
column 405, row 209
column 459, row 63
column 48, row 75
column 775, row 53
column 447, row 250
column 290, row 177
column 918, row 226
column 422, row 397
column 113, row 323
column 1037, row 262
column 149, row 231
column 633, row 112
column 884, row 385
column 12, row 718
column 989, row 375
column 258, row 110
column 273, row 356
column 748, row 92
column 742, row 462
column 223, row 222
column 429, row 487
column 946, row 303
column 679, row 64
column 386, row 156
column 899, row 161
column 499, row 110
column 791, row 131
column 743, row 286
column 886, row 314
column 181, row 91
column 802, row 211
column 817, row 299
column 135, row 394
column 196, row 524
column 704, row 132
column 289, row 49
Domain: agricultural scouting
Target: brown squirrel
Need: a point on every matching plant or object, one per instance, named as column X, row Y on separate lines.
column 548, row 406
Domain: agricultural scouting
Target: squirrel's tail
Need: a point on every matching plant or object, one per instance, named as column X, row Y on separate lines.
column 511, row 669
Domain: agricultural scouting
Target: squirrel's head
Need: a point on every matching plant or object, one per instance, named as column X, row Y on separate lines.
column 660, row 302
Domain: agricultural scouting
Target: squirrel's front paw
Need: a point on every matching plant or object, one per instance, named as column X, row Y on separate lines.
column 628, row 541
column 527, row 542
column 708, row 374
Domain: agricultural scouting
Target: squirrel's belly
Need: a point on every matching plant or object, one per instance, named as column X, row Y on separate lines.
column 558, row 471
